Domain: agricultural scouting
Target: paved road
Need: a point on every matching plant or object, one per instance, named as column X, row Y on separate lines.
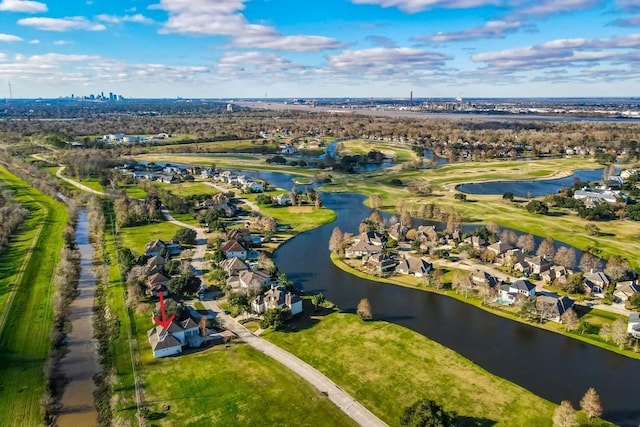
column 76, row 183
column 339, row 397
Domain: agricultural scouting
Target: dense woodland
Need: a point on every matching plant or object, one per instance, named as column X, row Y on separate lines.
column 456, row 139
column 12, row 214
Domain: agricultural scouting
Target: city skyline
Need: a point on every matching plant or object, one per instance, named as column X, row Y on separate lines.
column 337, row 48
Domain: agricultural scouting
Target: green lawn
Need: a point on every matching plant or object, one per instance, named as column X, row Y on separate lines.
column 231, row 386
column 387, row 367
column 186, row 189
column 26, row 270
column 133, row 190
column 135, row 238
column 187, row 218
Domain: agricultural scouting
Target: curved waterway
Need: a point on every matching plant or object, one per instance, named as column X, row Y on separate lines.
column 531, row 188
column 80, row 364
column 550, row 365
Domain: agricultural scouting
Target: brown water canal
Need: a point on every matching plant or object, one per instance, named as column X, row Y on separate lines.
column 81, row 363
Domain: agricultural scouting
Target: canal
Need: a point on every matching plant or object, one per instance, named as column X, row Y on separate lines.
column 550, row 365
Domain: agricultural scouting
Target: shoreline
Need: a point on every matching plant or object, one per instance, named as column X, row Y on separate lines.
column 477, row 303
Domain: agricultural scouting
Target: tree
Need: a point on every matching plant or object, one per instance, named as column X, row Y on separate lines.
column 618, row 269
column 570, row 318
column 405, row 218
column 508, row 196
column 590, row 403
column 619, row 333
column 186, row 236
column 592, row 229
column 377, row 219
column 564, row 415
column 185, row 284
column 427, row 413
column 364, row 309
column 509, row 237
column 375, row 200
column 493, row 228
column 547, row 248
column 537, row 207
column 126, row 258
column 565, row 257
column 275, row 318
column 171, row 308
column 336, row 239
column 589, row 262
column 317, row 299
column 529, row 311
column 526, row 243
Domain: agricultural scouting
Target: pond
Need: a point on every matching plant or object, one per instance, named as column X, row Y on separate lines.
column 531, row 188
column 550, row 365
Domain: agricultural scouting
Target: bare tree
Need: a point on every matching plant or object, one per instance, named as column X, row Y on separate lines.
column 570, row 318
column 377, row 219
column 526, row 243
column 375, row 200
column 589, row 262
column 493, row 228
column 406, row 219
column 509, row 237
column 336, row 239
column 619, row 333
column 564, row 415
column 547, row 248
column 590, row 403
column 364, row 309
column 565, row 257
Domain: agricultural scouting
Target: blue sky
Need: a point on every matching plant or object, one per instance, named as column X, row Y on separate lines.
column 320, row 48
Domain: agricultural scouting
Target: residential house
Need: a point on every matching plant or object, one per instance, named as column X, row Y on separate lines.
column 157, row 283
column 233, row 266
column 159, row 247
column 593, row 196
column 482, row 279
column 523, row 267
column 556, row 273
column 253, row 281
column 625, row 290
column 513, row 257
column 499, row 248
column 155, row 264
column 476, row 242
column 287, row 149
column 426, row 233
column 277, row 297
column 552, row 308
column 538, row 264
column 365, row 244
column 397, row 232
column 168, row 179
column 414, row 266
column 509, row 292
column 174, row 338
column 595, row 282
column 253, row 187
column 233, row 248
column 633, row 327
column 283, row 199
column 242, row 235
column 380, row 263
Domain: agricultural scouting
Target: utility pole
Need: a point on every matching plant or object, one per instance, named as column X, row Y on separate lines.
column 10, row 91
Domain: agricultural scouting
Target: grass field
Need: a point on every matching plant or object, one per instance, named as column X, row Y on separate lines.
column 26, row 269
column 133, row 191
column 186, row 189
column 358, row 146
column 387, row 367
column 135, row 238
column 300, row 219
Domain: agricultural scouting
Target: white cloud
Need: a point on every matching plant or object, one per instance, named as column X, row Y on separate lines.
column 62, row 42
column 224, row 18
column 9, row 38
column 543, row 8
column 26, row 6
column 563, row 53
column 392, row 64
column 490, row 30
column 632, row 21
column 255, row 66
column 62, row 24
column 112, row 19
column 413, row 6
column 34, row 41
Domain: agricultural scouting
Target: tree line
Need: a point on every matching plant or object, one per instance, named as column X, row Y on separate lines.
column 12, row 214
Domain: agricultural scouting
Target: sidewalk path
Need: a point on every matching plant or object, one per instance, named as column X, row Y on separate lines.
column 76, row 183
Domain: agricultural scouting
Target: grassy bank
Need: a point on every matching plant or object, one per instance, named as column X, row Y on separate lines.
column 387, row 367
column 595, row 318
column 26, row 290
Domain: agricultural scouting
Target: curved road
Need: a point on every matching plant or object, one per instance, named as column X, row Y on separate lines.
column 339, row 397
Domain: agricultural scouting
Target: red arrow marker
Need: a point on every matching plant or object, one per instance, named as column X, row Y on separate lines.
column 164, row 322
